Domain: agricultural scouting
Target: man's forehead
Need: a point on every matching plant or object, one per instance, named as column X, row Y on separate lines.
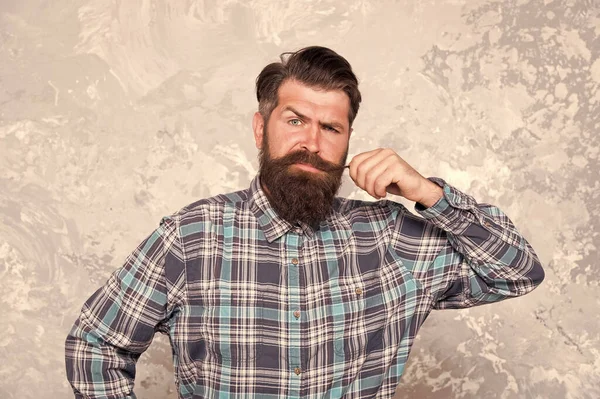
column 295, row 89
column 294, row 96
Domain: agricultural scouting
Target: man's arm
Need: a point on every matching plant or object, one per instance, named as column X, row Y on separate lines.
column 484, row 258
column 117, row 323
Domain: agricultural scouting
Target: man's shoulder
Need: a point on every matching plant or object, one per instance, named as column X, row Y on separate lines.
column 213, row 204
column 352, row 208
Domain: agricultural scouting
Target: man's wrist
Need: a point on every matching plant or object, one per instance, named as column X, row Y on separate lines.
column 432, row 193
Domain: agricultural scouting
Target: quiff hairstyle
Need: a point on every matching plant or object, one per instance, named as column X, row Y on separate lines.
column 316, row 67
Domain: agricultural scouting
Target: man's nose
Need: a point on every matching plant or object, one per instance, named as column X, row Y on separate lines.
column 311, row 138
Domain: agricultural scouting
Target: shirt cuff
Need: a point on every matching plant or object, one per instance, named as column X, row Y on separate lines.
column 448, row 211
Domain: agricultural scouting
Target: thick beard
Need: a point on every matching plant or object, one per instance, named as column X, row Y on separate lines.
column 298, row 195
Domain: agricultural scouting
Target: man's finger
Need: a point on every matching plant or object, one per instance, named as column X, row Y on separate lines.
column 379, row 175
column 358, row 166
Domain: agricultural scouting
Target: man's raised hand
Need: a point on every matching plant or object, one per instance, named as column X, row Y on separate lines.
column 383, row 171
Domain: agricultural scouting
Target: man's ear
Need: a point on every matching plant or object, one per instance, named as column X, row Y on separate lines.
column 258, row 126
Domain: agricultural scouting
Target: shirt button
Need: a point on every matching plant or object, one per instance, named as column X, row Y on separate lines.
column 297, row 370
column 295, row 261
column 297, row 314
column 358, row 291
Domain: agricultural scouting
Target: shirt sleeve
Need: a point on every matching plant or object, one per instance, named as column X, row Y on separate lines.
column 487, row 259
column 117, row 323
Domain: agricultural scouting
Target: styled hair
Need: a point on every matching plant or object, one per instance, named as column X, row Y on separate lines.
column 316, row 67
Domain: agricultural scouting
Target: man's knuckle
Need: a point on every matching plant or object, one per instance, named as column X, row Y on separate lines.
column 361, row 169
column 371, row 176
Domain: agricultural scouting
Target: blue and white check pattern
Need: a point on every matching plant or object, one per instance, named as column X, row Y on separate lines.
column 256, row 307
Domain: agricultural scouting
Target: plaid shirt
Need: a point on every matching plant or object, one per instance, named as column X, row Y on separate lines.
column 256, row 307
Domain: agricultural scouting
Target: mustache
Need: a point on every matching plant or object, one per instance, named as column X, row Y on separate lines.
column 312, row 159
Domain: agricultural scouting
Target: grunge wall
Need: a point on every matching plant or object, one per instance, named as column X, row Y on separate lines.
column 115, row 113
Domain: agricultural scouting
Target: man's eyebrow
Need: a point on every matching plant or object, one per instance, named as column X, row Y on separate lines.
column 295, row 111
column 332, row 124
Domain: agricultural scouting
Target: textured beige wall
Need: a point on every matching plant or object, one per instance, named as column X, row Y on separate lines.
column 115, row 113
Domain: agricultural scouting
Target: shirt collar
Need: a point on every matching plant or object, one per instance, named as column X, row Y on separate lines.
column 271, row 223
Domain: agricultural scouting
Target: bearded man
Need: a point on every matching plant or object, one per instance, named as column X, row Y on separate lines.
column 284, row 290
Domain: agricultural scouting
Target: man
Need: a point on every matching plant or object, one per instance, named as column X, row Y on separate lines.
column 284, row 290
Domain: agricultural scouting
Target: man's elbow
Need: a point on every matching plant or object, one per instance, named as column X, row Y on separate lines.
column 535, row 276
column 537, row 273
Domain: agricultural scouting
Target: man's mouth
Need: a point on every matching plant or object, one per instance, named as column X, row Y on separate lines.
column 308, row 168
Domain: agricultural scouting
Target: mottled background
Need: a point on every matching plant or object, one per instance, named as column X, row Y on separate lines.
column 115, row 113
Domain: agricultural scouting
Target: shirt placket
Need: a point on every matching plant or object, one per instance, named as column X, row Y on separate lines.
column 294, row 314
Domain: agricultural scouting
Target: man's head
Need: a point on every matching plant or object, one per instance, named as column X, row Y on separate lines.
column 315, row 67
column 307, row 103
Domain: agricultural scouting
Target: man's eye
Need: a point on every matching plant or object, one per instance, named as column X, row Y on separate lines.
column 295, row 122
column 331, row 129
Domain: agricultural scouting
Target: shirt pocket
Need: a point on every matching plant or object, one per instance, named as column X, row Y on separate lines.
column 232, row 323
column 359, row 317
column 375, row 311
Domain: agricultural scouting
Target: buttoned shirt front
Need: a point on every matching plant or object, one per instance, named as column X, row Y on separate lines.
column 257, row 307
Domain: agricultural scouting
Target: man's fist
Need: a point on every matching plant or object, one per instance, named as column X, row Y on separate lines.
column 383, row 171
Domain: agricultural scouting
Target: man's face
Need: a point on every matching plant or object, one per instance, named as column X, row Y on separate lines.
column 302, row 151
column 306, row 119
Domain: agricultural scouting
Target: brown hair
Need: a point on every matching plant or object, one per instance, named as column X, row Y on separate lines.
column 316, row 67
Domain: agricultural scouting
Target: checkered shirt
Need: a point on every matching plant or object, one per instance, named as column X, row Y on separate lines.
column 257, row 307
